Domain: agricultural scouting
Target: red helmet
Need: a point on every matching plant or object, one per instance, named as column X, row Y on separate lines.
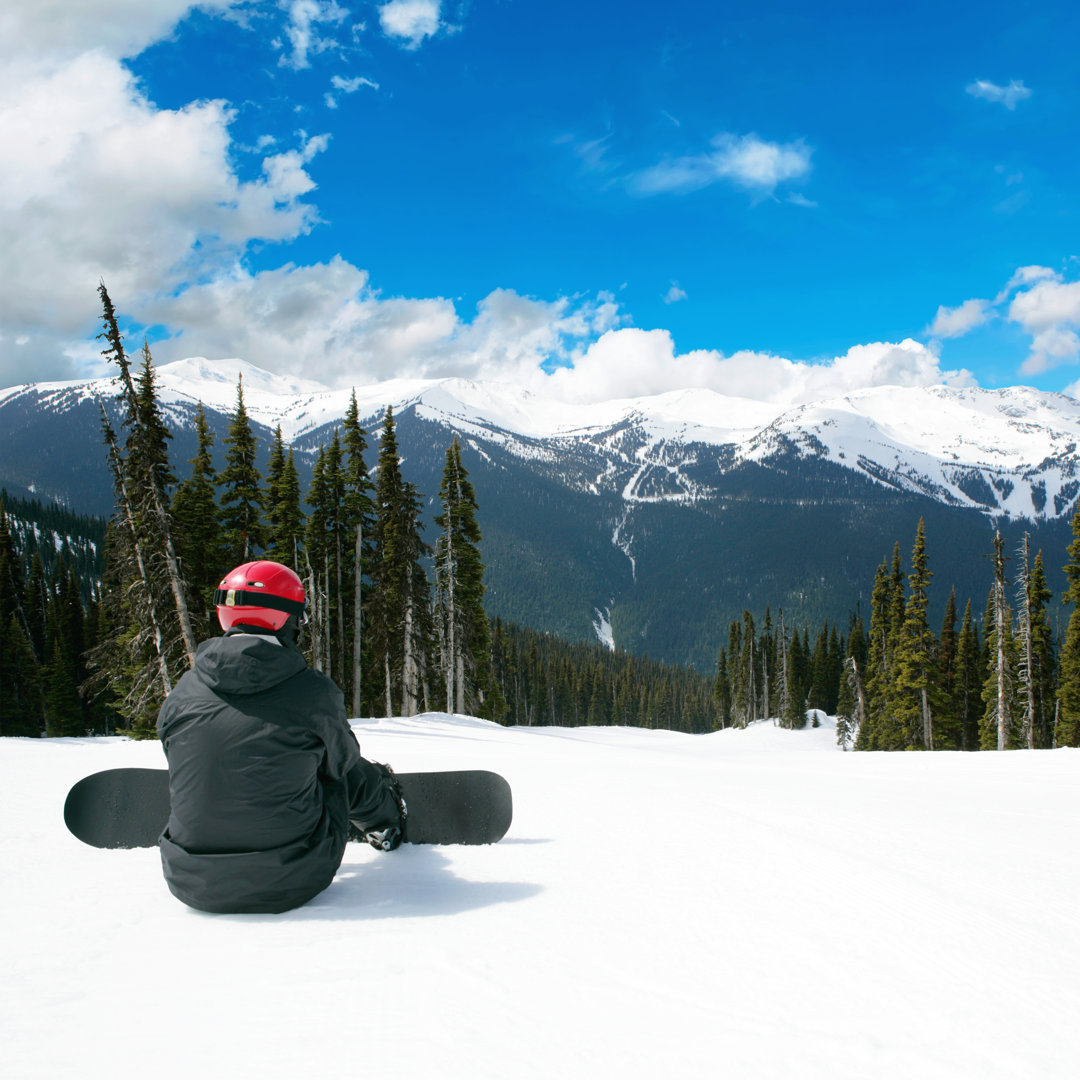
column 261, row 593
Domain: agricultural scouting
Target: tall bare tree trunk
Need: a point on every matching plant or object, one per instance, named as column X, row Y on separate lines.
column 140, row 562
column 408, row 664
column 1002, row 657
column 1027, row 645
column 357, row 695
column 176, row 583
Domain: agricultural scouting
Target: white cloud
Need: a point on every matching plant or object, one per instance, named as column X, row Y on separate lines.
column 51, row 30
column 634, row 363
column 350, row 86
column 328, row 321
column 957, row 321
column 96, row 182
column 409, row 22
column 305, row 17
column 1025, row 275
column 1003, row 95
column 347, row 86
column 1050, row 312
column 674, row 294
column 1043, row 304
column 744, row 160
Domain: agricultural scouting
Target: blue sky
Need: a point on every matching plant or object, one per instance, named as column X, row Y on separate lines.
column 766, row 198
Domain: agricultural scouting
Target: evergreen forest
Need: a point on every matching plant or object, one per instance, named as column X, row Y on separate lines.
column 98, row 620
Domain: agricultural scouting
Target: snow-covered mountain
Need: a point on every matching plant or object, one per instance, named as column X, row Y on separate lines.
column 1009, row 452
column 650, row 522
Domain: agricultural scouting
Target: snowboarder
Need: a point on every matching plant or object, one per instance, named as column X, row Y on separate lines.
column 266, row 779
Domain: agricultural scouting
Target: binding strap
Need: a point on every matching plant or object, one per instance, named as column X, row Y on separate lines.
column 251, row 598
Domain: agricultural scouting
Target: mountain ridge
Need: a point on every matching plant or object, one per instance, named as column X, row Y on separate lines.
column 647, row 523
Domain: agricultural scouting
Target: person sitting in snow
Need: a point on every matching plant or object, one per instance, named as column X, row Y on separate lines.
column 266, row 779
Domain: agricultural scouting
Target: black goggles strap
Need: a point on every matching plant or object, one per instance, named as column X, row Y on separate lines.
column 253, row 598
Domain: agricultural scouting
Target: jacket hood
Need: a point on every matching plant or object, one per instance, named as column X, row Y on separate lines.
column 245, row 664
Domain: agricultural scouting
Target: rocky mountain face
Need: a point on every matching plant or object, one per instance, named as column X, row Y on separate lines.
column 647, row 523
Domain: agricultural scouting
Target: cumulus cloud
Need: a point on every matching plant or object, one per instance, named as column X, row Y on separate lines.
column 98, row 183
column 1050, row 312
column 1003, row 95
column 62, row 29
column 746, row 161
column 409, row 22
column 69, row 216
column 629, row 362
column 328, row 316
column 1043, row 303
column 1025, row 275
column 957, row 321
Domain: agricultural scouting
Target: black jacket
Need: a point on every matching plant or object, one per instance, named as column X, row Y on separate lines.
column 258, row 746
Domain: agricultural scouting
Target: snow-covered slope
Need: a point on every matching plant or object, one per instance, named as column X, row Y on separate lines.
column 1006, row 452
column 742, row 904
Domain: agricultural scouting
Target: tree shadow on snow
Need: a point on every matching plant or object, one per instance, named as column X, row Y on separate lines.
column 410, row 883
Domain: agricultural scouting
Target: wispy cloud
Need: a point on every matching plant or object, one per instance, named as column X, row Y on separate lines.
column 674, row 294
column 347, row 86
column 1040, row 301
column 746, row 161
column 305, row 17
column 957, row 321
column 409, row 22
column 1003, row 95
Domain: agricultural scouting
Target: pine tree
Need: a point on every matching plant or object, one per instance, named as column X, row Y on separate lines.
column 22, row 707
column 197, row 519
column 359, row 511
column 947, row 712
column 241, row 497
column 400, row 610
column 915, row 657
column 327, row 545
column 877, row 663
column 150, row 477
column 284, row 513
column 1043, row 653
column 1068, row 726
column 970, row 666
column 999, row 689
column 151, row 639
column 459, row 576
column 851, row 705
column 1034, row 650
column 722, row 691
column 324, row 499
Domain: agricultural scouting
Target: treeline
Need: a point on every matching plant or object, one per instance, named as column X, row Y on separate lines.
column 544, row 680
column 995, row 681
column 393, row 640
column 48, row 620
column 49, row 533
column 398, row 623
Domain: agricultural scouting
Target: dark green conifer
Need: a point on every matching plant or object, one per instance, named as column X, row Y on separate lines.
column 459, row 577
column 199, row 543
column 1068, row 726
column 913, row 692
column 241, row 495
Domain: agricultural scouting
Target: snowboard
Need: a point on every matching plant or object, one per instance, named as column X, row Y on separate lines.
column 129, row 808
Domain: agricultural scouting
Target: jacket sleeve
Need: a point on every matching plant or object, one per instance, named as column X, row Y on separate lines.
column 342, row 748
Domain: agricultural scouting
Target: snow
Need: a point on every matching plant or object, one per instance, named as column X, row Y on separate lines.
column 746, row 904
column 943, row 441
